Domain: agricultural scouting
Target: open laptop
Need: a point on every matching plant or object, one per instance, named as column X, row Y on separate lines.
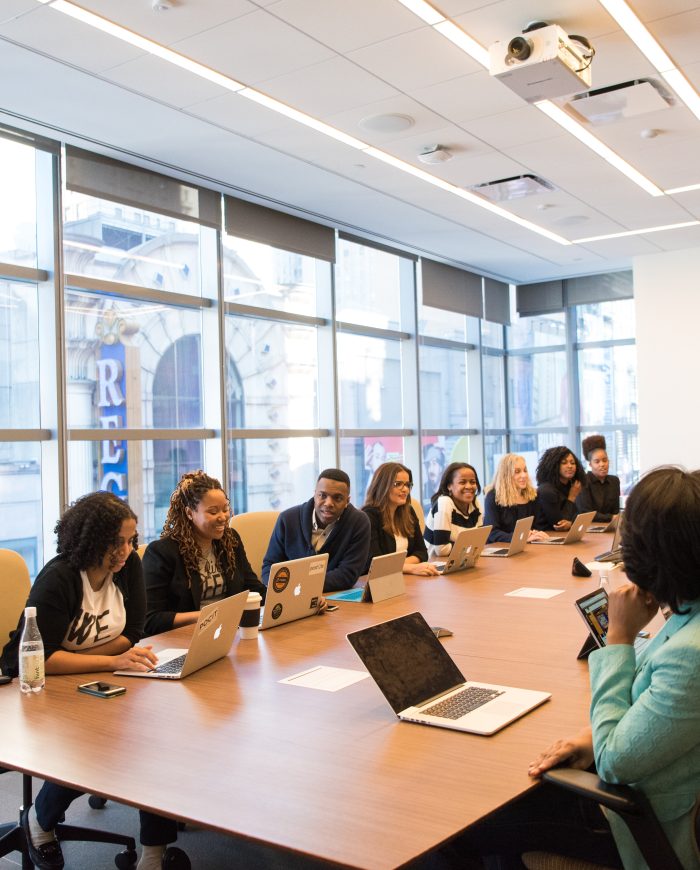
column 384, row 580
column 609, row 527
column 593, row 608
column 211, row 640
column 578, row 529
column 294, row 590
column 466, row 550
column 614, row 554
column 421, row 682
column 517, row 542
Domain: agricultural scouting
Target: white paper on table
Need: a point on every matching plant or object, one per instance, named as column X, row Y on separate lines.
column 325, row 678
column 605, row 566
column 534, row 592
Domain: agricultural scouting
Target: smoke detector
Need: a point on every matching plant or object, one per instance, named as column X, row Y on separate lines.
column 161, row 5
column 435, row 154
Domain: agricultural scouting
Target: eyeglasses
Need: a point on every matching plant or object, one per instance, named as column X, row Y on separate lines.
column 402, row 484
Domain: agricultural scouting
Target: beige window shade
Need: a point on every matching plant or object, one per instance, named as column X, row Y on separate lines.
column 496, row 301
column 451, row 289
column 247, row 220
column 103, row 177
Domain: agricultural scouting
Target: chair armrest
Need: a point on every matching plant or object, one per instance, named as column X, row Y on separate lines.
column 620, row 798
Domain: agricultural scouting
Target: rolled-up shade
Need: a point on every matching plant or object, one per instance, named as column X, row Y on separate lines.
column 496, row 301
column 542, row 298
column 451, row 289
column 247, row 220
column 599, row 288
column 103, row 177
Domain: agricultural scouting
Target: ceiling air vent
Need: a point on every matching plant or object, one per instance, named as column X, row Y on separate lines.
column 517, row 187
column 626, row 100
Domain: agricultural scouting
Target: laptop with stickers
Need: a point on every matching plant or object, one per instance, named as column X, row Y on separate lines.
column 384, row 580
column 517, row 542
column 294, row 590
column 211, row 640
column 578, row 529
column 422, row 683
column 465, row 551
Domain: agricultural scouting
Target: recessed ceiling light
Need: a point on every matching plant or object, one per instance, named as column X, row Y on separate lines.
column 433, row 154
column 641, row 232
column 389, row 123
column 517, row 187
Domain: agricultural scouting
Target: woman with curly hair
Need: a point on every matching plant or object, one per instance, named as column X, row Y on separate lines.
column 393, row 522
column 601, row 492
column 453, row 508
column 198, row 559
column 511, row 497
column 560, row 479
column 90, row 608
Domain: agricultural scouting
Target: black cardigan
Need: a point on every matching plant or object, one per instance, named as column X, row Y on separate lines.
column 167, row 589
column 554, row 505
column 601, row 496
column 382, row 542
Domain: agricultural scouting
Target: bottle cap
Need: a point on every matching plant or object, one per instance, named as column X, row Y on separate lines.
column 29, row 611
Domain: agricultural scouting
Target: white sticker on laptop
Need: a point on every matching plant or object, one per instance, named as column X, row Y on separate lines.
column 317, row 567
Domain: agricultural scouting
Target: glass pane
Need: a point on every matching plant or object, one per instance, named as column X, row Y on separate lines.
column 272, row 473
column 272, row 376
column 266, row 277
column 443, row 388
column 602, row 321
column 18, row 213
column 360, row 458
column 135, row 364
column 623, row 450
column 494, row 400
column 368, row 286
column 494, row 449
column 120, row 243
column 144, row 473
column 537, row 331
column 538, row 390
column 608, row 385
column 437, row 452
column 531, row 445
column 492, row 334
column 442, row 324
column 20, row 502
column 369, row 371
column 19, row 356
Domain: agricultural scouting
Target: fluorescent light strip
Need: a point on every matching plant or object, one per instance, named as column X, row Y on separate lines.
column 686, row 189
column 423, row 10
column 567, row 122
column 646, row 43
column 462, row 40
column 643, row 232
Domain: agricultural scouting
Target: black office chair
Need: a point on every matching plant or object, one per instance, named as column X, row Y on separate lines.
column 12, row 837
column 632, row 806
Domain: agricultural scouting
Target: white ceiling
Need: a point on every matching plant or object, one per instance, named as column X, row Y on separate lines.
column 344, row 60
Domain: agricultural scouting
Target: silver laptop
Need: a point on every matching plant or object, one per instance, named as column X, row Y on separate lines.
column 517, row 542
column 211, row 640
column 614, row 554
column 578, row 529
column 384, row 580
column 610, row 527
column 294, row 590
column 465, row 551
column 422, row 683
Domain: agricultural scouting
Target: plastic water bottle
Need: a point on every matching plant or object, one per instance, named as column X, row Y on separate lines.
column 31, row 655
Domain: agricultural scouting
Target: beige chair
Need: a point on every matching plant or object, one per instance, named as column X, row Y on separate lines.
column 255, row 530
column 14, row 591
column 141, row 549
column 418, row 508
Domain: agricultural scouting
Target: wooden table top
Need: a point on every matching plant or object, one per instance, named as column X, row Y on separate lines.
column 329, row 774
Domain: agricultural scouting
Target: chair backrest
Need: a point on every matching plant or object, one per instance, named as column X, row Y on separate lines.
column 14, row 591
column 141, row 549
column 418, row 508
column 255, row 530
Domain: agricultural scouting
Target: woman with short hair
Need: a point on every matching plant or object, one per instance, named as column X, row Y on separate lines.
column 601, row 491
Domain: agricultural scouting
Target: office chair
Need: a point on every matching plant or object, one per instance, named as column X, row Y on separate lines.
column 634, row 809
column 255, row 530
column 418, row 508
column 14, row 591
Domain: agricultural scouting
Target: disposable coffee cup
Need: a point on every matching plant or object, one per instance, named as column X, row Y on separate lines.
column 251, row 616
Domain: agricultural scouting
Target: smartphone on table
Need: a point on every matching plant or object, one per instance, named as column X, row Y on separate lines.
column 102, row 690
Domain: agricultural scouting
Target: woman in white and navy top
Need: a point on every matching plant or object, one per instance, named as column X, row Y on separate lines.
column 453, row 508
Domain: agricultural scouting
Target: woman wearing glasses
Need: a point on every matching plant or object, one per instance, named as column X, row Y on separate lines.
column 453, row 508
column 393, row 522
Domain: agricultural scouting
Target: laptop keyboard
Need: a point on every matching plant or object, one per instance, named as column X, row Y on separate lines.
column 463, row 702
column 174, row 666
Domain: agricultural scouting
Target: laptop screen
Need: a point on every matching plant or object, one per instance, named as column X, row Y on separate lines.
column 406, row 660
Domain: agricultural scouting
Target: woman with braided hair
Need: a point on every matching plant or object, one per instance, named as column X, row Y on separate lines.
column 198, row 558
column 601, row 491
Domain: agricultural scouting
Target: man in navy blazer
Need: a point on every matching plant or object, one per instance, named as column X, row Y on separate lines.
column 327, row 523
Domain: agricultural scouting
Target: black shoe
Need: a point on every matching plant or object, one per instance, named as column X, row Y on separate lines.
column 175, row 859
column 48, row 856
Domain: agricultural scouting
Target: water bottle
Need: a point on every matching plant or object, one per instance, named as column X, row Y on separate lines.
column 31, row 655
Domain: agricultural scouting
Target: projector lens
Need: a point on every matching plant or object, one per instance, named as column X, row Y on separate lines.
column 519, row 48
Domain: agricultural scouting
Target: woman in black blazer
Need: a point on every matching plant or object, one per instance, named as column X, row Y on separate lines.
column 198, row 558
column 601, row 491
column 393, row 522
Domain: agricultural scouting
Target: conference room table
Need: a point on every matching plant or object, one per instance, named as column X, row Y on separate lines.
column 332, row 775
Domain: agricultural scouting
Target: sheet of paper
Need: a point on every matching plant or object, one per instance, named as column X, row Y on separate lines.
column 534, row 592
column 325, row 678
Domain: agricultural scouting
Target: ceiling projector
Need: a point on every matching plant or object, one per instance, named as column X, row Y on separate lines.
column 543, row 63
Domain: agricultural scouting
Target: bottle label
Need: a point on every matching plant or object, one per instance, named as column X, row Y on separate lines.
column 31, row 668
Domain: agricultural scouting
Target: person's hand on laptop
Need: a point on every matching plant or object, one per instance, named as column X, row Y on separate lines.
column 536, row 535
column 138, row 658
column 576, row 751
column 423, row 569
